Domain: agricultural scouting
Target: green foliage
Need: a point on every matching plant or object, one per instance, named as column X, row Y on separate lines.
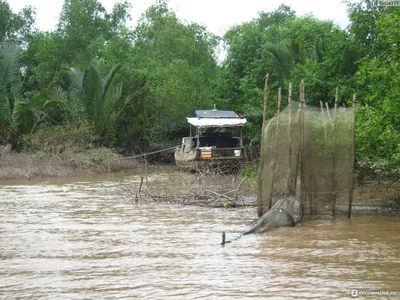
column 289, row 48
column 285, row 55
column 101, row 96
column 86, row 27
column 378, row 125
column 251, row 171
column 10, row 87
column 133, row 89
column 53, row 106
column 96, row 159
column 68, row 137
column 174, row 64
column 227, row 205
column 46, row 62
column 10, row 55
column 15, row 27
column 363, row 16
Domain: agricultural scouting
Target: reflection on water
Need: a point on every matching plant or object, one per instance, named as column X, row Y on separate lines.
column 79, row 241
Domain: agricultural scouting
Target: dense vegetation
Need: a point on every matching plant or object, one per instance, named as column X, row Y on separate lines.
column 98, row 80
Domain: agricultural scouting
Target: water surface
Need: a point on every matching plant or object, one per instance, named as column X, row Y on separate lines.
column 80, row 240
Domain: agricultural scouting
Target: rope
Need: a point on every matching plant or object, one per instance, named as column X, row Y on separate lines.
column 337, row 192
column 150, row 153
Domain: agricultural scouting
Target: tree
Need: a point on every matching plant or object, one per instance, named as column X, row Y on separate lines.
column 289, row 48
column 86, row 27
column 14, row 27
column 378, row 126
column 174, row 65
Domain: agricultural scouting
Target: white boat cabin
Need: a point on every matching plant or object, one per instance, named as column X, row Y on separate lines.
column 218, row 136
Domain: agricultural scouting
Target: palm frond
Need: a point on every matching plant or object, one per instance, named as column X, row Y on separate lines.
column 109, row 79
column 296, row 48
column 281, row 58
column 100, row 95
column 10, row 56
column 77, row 77
column 113, row 107
column 17, row 115
column 93, row 86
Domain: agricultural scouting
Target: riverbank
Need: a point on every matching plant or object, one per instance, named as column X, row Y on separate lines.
column 69, row 163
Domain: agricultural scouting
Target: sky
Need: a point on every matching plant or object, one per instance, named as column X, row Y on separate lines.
column 217, row 15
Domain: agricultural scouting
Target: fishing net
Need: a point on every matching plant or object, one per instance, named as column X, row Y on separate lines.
column 306, row 167
column 285, row 212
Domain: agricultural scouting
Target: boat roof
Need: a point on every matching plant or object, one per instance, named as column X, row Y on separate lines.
column 216, row 118
column 215, row 113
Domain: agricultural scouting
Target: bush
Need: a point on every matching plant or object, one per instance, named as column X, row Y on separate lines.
column 59, row 138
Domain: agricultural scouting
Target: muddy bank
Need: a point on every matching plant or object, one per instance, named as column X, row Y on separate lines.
column 29, row 165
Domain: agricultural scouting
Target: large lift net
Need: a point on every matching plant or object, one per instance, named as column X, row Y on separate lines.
column 307, row 164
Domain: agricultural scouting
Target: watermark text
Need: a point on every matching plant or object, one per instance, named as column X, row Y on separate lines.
column 388, row 2
column 357, row 293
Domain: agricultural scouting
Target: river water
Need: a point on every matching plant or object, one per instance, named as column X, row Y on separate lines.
column 78, row 240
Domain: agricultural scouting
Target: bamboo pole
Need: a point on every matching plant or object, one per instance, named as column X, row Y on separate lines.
column 261, row 204
column 198, row 138
column 329, row 114
column 297, row 156
column 324, row 122
column 334, row 181
column 301, row 150
column 270, row 196
column 291, row 182
column 351, row 195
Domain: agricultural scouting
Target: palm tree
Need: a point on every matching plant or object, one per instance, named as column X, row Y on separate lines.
column 101, row 95
column 10, row 86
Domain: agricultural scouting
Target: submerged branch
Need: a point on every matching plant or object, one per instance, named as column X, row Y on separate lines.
column 181, row 188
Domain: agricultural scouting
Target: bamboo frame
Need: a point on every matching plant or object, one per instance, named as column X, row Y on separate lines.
column 297, row 163
column 270, row 196
column 291, row 183
column 198, row 138
column 329, row 114
column 301, row 150
column 324, row 122
column 351, row 194
column 334, row 181
column 260, row 198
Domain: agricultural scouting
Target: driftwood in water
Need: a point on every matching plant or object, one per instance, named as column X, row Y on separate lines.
column 183, row 188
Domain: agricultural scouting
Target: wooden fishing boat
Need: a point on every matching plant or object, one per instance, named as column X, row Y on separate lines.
column 218, row 141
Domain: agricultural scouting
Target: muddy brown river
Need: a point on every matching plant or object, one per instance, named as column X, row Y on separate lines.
column 79, row 240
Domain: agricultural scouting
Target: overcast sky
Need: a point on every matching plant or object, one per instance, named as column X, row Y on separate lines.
column 216, row 15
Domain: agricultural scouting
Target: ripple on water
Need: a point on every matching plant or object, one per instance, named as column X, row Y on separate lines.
column 79, row 241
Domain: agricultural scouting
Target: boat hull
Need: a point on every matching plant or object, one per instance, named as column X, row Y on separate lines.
column 191, row 161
